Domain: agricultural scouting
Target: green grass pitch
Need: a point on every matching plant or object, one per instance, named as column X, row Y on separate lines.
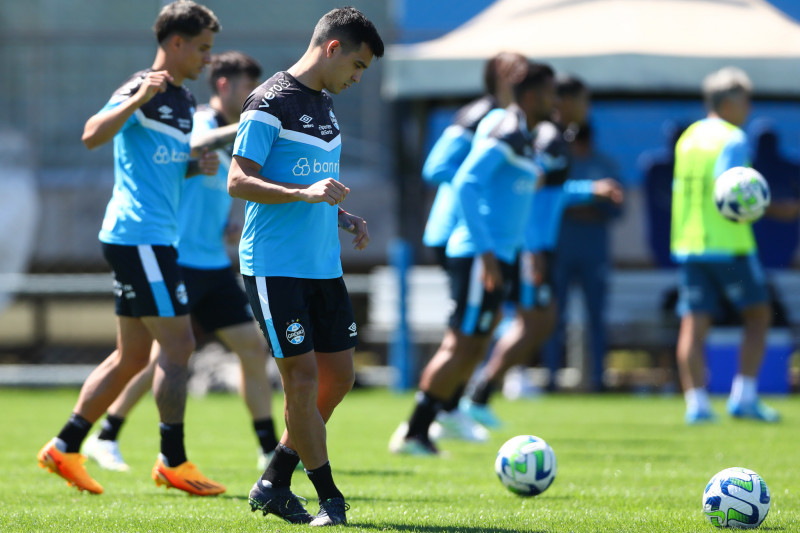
column 625, row 464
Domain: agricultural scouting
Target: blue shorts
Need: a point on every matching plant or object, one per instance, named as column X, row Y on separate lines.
column 704, row 284
column 300, row 315
column 147, row 280
column 216, row 300
column 476, row 310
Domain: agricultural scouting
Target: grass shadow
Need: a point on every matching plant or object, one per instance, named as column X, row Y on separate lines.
column 384, row 526
column 375, row 472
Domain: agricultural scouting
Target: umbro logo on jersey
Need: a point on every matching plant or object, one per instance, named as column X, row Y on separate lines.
column 306, row 120
column 352, row 329
column 165, row 112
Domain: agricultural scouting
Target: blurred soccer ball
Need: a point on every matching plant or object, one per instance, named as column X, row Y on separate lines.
column 526, row 465
column 741, row 194
column 736, row 497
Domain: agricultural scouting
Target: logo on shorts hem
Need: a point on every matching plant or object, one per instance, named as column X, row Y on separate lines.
column 181, row 294
column 544, row 295
column 352, row 329
column 295, row 333
column 487, row 317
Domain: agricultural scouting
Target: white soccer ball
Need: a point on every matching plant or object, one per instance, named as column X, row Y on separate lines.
column 741, row 194
column 526, row 465
column 736, row 497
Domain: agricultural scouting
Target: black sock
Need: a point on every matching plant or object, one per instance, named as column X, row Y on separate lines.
column 423, row 415
column 281, row 467
column 74, row 431
column 265, row 431
column 172, row 444
column 110, row 426
column 322, row 479
column 452, row 403
column 483, row 390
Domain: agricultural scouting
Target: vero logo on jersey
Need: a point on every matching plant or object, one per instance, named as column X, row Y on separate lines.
column 304, row 168
column 272, row 90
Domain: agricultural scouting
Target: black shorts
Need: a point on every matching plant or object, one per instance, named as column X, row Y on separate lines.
column 299, row 315
column 147, row 280
column 476, row 310
column 216, row 300
column 525, row 291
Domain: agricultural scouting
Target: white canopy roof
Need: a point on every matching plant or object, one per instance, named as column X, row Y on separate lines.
column 614, row 45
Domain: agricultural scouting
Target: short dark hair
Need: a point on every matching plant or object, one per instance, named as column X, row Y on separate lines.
column 230, row 64
column 570, row 86
column 509, row 66
column 350, row 27
column 538, row 74
column 184, row 17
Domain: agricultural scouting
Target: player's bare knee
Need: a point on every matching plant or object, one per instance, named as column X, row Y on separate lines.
column 252, row 356
column 300, row 385
column 179, row 348
column 757, row 317
column 344, row 382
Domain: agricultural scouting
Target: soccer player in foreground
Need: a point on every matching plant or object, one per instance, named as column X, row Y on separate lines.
column 494, row 187
column 216, row 302
column 286, row 165
column 149, row 119
column 717, row 257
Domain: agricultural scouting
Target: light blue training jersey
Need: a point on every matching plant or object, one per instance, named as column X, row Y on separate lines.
column 205, row 206
column 494, row 187
column 151, row 155
column 557, row 191
column 292, row 132
column 441, row 165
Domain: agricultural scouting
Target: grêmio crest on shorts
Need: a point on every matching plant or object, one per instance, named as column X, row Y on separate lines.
column 291, row 131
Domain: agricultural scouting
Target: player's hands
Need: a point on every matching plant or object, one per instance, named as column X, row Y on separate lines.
column 232, row 232
column 539, row 268
column 208, row 162
column 328, row 190
column 357, row 226
column 608, row 189
column 491, row 276
column 154, row 83
column 783, row 210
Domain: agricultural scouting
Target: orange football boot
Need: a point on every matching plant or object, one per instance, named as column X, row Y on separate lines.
column 69, row 466
column 185, row 477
